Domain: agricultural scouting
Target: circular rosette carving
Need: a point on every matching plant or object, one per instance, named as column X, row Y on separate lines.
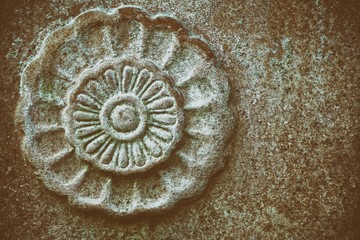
column 124, row 112
column 123, row 115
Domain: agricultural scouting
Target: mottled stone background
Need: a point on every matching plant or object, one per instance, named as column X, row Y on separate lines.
column 294, row 168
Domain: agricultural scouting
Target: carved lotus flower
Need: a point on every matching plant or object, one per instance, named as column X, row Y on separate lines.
column 124, row 112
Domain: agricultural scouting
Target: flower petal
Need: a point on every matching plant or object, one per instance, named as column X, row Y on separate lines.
column 178, row 177
column 152, row 146
column 206, row 89
column 120, row 36
column 123, row 156
column 65, row 184
column 70, row 60
column 94, row 190
column 150, row 189
column 128, row 78
column 209, row 125
column 85, row 116
column 142, row 81
column 137, row 154
column 154, row 89
column 66, row 172
column 163, row 118
column 160, row 45
column 108, row 154
column 84, row 132
column 94, row 40
column 88, row 101
column 96, row 143
column 161, row 133
column 48, row 144
column 186, row 63
column 162, row 103
column 110, row 81
column 121, row 195
column 41, row 112
column 137, row 35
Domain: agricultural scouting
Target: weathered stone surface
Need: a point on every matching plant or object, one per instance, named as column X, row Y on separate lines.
column 112, row 95
column 293, row 169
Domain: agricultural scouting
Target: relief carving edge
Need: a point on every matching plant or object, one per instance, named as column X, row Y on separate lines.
column 111, row 96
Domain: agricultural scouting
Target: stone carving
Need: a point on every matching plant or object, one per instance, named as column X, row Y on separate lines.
column 123, row 116
column 124, row 112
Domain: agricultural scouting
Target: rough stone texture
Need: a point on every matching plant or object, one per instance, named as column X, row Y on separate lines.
column 294, row 171
column 124, row 112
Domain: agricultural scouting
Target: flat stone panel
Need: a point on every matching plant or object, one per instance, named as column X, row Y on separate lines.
column 276, row 140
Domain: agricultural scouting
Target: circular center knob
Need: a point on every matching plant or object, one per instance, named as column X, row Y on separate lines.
column 124, row 118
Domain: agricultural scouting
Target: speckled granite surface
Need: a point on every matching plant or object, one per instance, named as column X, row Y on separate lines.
column 293, row 171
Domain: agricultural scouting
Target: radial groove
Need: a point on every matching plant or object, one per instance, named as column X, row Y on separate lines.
column 115, row 156
column 95, row 143
column 162, row 103
column 154, row 89
column 139, row 158
column 86, row 123
column 87, row 109
column 152, row 146
column 129, row 74
column 88, row 101
column 108, row 89
column 123, row 157
column 160, row 126
column 119, row 82
column 160, row 133
column 85, row 132
column 80, row 115
column 106, row 156
column 164, row 118
column 143, row 77
column 155, row 97
column 103, row 146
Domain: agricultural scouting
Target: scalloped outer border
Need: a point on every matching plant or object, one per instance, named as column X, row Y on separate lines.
column 51, row 43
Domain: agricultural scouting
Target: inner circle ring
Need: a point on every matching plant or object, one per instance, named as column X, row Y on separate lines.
column 108, row 107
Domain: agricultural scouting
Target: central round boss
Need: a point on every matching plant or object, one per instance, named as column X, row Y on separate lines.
column 124, row 117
